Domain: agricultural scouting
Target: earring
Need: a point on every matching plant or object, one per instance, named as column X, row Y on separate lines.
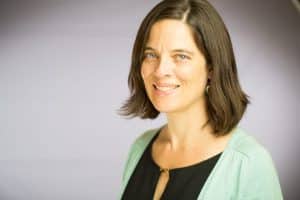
column 207, row 89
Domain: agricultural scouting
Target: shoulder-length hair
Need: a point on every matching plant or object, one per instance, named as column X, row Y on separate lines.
column 226, row 102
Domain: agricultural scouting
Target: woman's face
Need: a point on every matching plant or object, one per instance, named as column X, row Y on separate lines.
column 173, row 68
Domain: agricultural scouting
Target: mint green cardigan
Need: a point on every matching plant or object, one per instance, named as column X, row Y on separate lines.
column 245, row 170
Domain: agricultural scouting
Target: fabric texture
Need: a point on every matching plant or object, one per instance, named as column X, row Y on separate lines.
column 185, row 183
column 245, row 170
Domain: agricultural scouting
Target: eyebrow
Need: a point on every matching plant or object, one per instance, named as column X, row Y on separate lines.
column 174, row 50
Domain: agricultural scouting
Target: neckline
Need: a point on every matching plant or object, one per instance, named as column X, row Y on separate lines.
column 146, row 138
column 176, row 169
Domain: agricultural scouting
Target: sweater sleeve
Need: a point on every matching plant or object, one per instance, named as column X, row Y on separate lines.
column 259, row 180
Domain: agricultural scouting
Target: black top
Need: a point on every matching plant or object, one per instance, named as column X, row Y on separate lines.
column 185, row 183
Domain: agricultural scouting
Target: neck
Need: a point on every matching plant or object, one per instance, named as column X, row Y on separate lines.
column 186, row 129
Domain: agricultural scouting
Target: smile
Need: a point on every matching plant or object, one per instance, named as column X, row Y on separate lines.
column 165, row 90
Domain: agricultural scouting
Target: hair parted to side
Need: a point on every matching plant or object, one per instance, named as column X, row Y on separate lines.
column 226, row 102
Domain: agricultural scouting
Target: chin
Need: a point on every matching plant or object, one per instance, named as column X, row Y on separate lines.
column 166, row 108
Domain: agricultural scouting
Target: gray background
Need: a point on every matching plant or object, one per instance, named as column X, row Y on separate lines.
column 63, row 75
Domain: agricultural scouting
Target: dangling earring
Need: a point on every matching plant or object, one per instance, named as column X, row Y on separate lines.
column 207, row 89
column 207, row 86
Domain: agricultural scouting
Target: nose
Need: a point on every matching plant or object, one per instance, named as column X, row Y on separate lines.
column 164, row 67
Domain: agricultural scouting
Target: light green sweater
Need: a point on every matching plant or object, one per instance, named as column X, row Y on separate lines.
column 244, row 171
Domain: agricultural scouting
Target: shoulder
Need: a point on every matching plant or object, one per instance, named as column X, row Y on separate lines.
column 140, row 143
column 256, row 168
column 136, row 150
column 143, row 139
column 254, row 157
column 248, row 147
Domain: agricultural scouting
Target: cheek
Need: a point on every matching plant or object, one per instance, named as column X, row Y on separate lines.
column 185, row 73
column 192, row 75
column 145, row 71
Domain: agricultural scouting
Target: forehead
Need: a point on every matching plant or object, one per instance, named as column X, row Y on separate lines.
column 169, row 33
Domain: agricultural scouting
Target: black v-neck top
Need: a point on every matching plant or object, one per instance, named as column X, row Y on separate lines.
column 185, row 183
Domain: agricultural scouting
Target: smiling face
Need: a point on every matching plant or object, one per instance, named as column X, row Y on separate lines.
column 173, row 69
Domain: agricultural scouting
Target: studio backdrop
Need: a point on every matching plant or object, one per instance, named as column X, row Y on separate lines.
column 63, row 76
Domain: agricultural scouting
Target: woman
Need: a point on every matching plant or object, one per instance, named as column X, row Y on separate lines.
column 183, row 65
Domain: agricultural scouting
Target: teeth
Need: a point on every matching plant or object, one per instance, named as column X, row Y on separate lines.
column 166, row 88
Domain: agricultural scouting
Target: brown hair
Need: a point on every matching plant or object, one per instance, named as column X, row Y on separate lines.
column 226, row 102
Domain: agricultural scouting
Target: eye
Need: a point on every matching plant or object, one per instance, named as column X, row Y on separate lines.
column 149, row 55
column 181, row 57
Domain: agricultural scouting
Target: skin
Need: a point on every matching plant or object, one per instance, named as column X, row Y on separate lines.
column 172, row 57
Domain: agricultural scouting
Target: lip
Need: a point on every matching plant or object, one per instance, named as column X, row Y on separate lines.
column 159, row 84
column 172, row 89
